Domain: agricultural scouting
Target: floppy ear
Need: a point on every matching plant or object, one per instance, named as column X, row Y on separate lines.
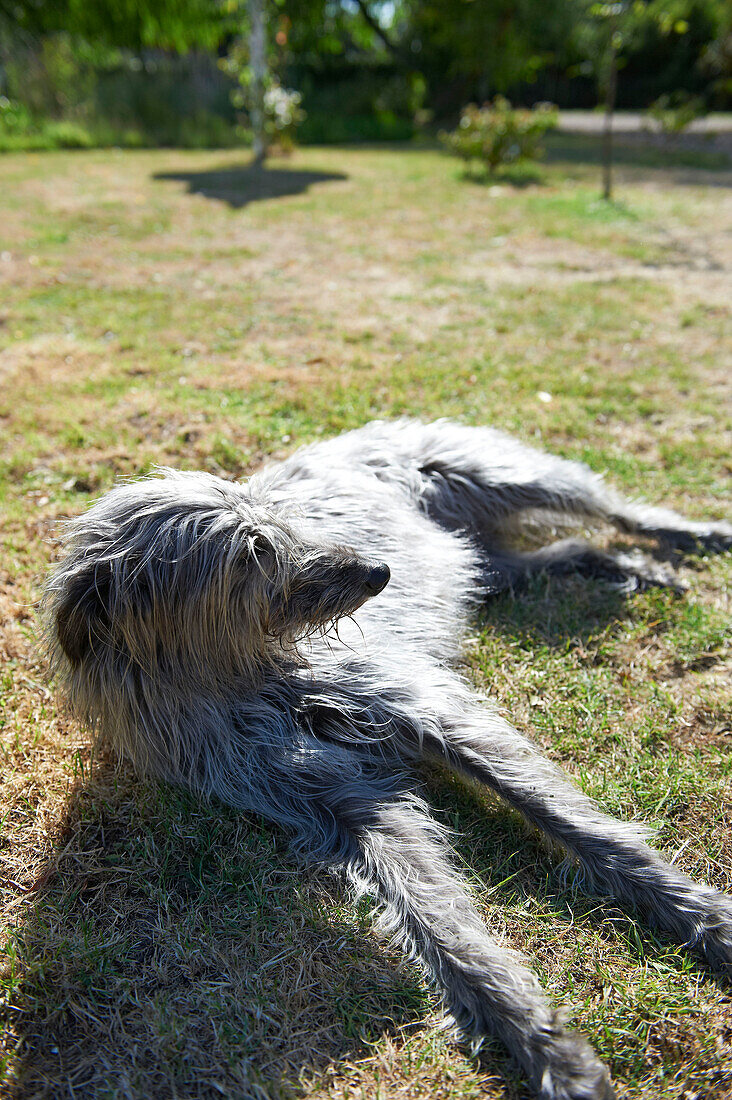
column 82, row 613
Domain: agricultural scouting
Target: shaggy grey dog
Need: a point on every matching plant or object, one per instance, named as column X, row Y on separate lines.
column 286, row 645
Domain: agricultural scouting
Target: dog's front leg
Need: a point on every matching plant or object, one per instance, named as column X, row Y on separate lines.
column 359, row 818
column 613, row 853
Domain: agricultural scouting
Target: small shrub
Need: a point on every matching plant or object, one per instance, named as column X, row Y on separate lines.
column 672, row 114
column 282, row 106
column 498, row 134
column 68, row 135
column 15, row 117
column 282, row 115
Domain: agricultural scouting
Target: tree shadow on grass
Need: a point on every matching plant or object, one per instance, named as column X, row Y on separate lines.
column 240, row 186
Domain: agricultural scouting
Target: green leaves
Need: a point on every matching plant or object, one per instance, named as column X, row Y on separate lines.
column 498, row 134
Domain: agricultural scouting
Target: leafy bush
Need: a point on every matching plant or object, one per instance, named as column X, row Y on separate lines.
column 60, row 92
column 282, row 106
column 14, row 117
column 20, row 130
column 65, row 134
column 671, row 114
column 498, row 134
column 282, row 114
column 54, row 77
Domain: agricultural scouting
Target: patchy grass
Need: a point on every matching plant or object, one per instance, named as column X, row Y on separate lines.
column 168, row 307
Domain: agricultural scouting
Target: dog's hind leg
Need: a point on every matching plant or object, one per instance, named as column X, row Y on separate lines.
column 628, row 572
column 613, row 854
column 663, row 524
column 391, row 847
column 480, row 480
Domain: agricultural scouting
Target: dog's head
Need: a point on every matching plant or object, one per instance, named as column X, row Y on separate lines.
column 189, row 576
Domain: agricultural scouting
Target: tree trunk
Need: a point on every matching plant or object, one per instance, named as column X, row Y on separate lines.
column 258, row 59
column 607, row 137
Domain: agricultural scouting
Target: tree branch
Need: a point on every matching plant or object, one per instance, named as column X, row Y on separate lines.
column 378, row 30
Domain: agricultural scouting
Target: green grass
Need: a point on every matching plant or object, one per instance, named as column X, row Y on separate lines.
column 176, row 308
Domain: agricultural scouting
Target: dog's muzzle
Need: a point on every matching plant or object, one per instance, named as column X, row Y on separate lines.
column 378, row 578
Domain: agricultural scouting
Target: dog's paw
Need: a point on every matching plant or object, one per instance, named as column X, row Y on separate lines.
column 573, row 1071
column 714, row 538
column 716, row 947
column 711, row 916
column 635, row 573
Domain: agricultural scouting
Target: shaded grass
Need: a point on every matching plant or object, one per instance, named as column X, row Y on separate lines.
column 638, row 150
column 156, row 946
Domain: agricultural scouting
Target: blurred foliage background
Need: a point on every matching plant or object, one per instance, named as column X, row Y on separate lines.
column 150, row 72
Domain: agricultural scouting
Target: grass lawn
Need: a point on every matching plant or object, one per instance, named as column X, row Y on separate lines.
column 171, row 307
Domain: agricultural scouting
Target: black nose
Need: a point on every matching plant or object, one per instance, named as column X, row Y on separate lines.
column 378, row 578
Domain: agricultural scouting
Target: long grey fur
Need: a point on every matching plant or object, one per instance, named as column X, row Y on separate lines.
column 242, row 639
